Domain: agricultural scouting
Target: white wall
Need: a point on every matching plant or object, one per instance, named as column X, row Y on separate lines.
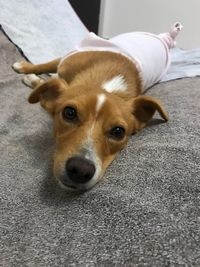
column 155, row 16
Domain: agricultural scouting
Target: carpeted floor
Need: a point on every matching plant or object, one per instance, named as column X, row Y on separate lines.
column 146, row 212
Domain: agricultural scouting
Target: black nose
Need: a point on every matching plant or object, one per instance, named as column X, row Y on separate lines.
column 80, row 170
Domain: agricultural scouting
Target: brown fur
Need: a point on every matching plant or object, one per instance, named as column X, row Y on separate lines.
column 80, row 81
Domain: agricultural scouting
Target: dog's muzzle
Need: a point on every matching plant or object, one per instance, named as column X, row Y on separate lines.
column 78, row 171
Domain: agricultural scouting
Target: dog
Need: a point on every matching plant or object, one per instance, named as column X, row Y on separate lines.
column 96, row 100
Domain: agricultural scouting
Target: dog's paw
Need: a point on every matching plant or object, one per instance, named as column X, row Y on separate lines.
column 17, row 67
column 21, row 67
column 31, row 80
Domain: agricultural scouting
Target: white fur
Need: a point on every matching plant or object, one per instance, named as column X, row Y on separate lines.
column 89, row 152
column 100, row 101
column 30, row 79
column 55, row 75
column 116, row 84
column 17, row 66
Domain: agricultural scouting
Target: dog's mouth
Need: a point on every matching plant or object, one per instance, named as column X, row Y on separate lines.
column 70, row 186
column 73, row 188
column 67, row 186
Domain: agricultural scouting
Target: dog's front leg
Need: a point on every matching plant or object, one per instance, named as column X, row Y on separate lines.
column 28, row 68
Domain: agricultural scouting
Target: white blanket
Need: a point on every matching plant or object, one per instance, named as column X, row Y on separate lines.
column 48, row 29
column 43, row 30
column 185, row 63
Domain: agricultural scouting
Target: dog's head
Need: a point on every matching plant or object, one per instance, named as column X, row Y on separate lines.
column 91, row 126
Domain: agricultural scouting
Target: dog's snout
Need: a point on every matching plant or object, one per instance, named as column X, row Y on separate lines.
column 80, row 170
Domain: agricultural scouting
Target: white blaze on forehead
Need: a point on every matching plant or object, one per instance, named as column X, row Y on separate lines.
column 100, row 101
column 116, row 84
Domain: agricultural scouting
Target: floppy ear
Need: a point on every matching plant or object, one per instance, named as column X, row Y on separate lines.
column 143, row 109
column 47, row 93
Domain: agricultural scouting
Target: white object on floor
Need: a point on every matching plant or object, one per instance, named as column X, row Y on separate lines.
column 184, row 63
column 43, row 30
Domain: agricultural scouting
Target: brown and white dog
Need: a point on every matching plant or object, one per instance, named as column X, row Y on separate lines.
column 96, row 104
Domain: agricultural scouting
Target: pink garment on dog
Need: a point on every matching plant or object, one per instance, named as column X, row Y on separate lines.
column 148, row 51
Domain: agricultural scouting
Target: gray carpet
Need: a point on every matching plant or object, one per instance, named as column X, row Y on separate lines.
column 146, row 212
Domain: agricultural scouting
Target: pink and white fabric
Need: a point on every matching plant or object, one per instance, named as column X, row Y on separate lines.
column 148, row 51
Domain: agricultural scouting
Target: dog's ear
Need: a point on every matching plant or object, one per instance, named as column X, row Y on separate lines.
column 143, row 109
column 47, row 93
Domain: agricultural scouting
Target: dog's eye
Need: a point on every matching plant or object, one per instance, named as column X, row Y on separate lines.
column 117, row 132
column 70, row 114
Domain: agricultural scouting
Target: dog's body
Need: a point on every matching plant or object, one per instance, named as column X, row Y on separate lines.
column 96, row 104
